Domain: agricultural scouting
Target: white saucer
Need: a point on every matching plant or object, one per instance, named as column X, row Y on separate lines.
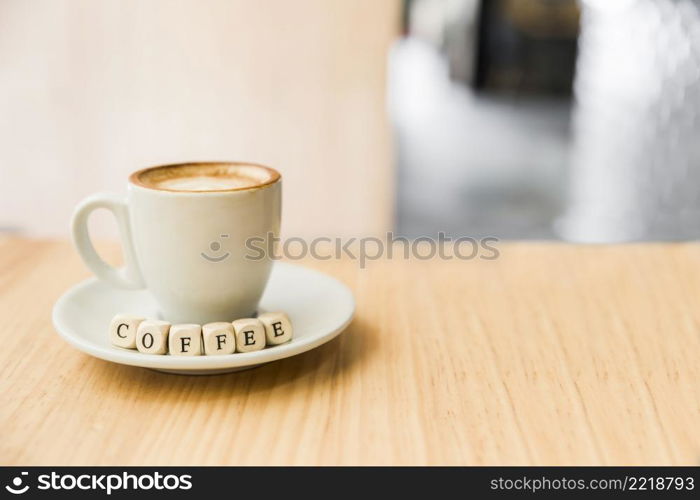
column 319, row 306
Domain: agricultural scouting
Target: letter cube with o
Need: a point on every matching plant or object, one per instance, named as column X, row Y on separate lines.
column 152, row 337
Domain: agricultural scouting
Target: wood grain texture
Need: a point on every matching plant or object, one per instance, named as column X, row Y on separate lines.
column 552, row 354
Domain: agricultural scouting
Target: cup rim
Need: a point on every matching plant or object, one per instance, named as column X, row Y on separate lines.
column 275, row 176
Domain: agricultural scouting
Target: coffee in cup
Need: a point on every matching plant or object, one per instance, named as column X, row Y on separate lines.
column 184, row 229
column 205, row 177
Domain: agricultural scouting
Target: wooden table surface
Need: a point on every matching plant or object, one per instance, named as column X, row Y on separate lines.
column 551, row 354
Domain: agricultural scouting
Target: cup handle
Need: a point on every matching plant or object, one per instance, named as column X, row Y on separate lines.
column 127, row 277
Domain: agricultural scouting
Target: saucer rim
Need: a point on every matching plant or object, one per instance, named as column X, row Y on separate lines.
column 196, row 363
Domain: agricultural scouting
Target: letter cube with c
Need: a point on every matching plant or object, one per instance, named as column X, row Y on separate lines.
column 122, row 330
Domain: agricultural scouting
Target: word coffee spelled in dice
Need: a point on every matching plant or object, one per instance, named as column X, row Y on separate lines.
column 151, row 336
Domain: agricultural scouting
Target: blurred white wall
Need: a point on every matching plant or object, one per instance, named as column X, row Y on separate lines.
column 92, row 90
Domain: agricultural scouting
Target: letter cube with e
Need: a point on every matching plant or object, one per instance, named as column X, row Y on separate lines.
column 152, row 337
column 122, row 330
column 218, row 338
column 185, row 340
column 278, row 328
column 250, row 334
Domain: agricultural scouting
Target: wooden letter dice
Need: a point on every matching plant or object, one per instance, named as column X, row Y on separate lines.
column 218, row 338
column 152, row 337
column 122, row 330
column 250, row 334
column 278, row 328
column 185, row 340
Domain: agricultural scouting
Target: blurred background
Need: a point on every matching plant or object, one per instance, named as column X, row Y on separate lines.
column 520, row 119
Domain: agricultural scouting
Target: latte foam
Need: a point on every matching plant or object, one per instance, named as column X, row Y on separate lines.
column 202, row 177
column 207, row 183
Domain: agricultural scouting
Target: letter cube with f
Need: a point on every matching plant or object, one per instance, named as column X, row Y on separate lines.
column 218, row 338
column 185, row 340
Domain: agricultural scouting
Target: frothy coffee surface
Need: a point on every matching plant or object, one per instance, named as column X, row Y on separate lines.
column 207, row 183
column 199, row 177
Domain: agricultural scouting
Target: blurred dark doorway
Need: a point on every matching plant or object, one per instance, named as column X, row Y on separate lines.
column 480, row 100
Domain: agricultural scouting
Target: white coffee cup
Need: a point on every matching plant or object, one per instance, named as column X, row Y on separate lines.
column 184, row 229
